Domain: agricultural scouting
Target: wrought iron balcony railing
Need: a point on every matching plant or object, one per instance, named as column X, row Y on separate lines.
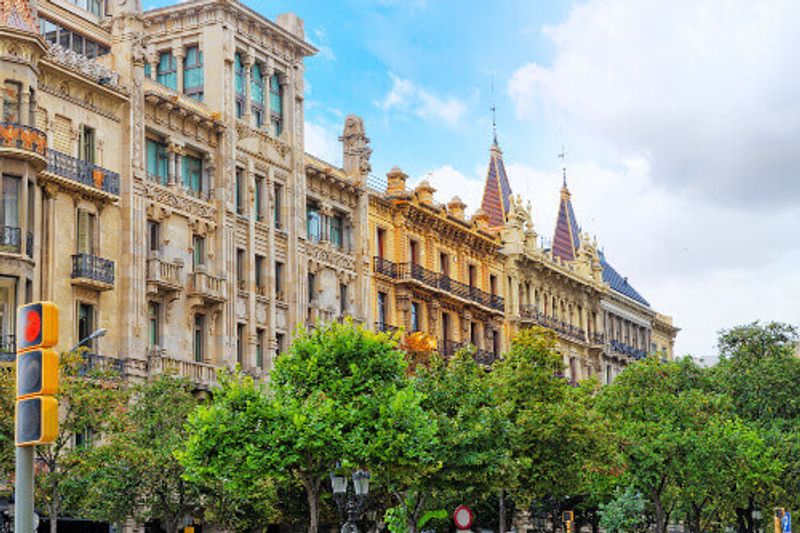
column 87, row 266
column 529, row 312
column 626, row 349
column 10, row 238
column 384, row 267
column 101, row 363
column 442, row 282
column 82, row 172
column 27, row 139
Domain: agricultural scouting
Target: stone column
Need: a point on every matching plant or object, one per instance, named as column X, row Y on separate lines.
column 249, row 60
column 178, row 54
column 269, row 70
column 173, row 167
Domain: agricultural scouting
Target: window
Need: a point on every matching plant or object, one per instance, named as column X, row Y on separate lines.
column 336, row 231
column 496, row 343
column 86, row 224
column 240, row 343
column 609, row 375
column 239, row 191
column 492, row 284
column 343, row 303
column 277, row 205
column 471, row 275
column 415, row 316
column 258, row 202
column 167, row 70
column 381, row 242
column 157, row 161
column 260, row 261
column 312, row 286
column 84, row 438
column 238, row 74
column 473, row 334
column 445, row 327
column 257, row 94
column 413, row 248
column 199, row 338
column 153, row 331
column 148, row 71
column 573, row 370
column 280, row 340
column 92, row 6
column 198, row 251
column 276, row 104
column 12, row 101
column 240, row 269
column 10, row 204
column 86, row 149
column 313, row 223
column 260, row 348
column 55, row 34
column 8, row 313
column 193, row 73
column 86, row 324
column 153, row 236
column 444, row 264
column 381, row 310
column 279, row 281
column 192, row 174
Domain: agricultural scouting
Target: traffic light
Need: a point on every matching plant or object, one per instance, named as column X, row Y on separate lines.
column 37, row 420
column 37, row 326
column 37, row 374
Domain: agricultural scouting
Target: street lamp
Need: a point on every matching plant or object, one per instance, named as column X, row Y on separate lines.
column 350, row 502
column 96, row 334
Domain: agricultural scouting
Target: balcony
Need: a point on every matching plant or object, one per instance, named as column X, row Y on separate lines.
column 164, row 275
column 441, row 282
column 71, row 171
column 384, row 267
column 618, row 347
column 92, row 272
column 386, row 328
column 8, row 348
column 23, row 142
column 529, row 313
column 10, row 239
column 207, row 288
column 598, row 339
column 100, row 363
column 203, row 375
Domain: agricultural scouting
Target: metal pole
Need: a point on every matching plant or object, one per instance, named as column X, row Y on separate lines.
column 23, row 490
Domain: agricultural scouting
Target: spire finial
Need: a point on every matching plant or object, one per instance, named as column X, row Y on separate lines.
column 561, row 156
column 493, row 109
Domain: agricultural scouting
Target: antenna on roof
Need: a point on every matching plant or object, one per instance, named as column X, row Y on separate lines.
column 493, row 109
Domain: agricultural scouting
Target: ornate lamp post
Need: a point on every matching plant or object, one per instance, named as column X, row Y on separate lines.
column 351, row 503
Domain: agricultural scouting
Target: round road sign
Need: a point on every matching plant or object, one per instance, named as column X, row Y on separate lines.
column 463, row 517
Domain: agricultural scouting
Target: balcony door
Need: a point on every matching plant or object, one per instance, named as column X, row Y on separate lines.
column 86, row 323
column 8, row 312
column 86, row 229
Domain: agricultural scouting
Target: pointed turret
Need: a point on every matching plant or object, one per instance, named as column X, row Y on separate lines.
column 497, row 191
column 566, row 239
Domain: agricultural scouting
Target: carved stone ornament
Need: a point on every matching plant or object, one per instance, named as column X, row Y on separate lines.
column 180, row 203
column 326, row 255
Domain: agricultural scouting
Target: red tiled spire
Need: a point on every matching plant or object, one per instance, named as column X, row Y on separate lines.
column 497, row 191
column 566, row 238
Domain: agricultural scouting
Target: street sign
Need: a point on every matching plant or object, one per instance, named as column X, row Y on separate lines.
column 463, row 517
column 786, row 522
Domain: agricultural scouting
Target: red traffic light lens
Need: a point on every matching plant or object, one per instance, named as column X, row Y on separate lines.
column 33, row 326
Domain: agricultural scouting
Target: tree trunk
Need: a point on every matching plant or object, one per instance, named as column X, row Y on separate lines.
column 413, row 514
column 54, row 509
column 312, row 494
column 660, row 517
column 501, row 513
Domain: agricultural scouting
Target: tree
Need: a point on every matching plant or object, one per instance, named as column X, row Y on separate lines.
column 469, row 453
column 624, row 513
column 339, row 396
column 134, row 473
column 554, row 442
column 8, row 393
column 92, row 402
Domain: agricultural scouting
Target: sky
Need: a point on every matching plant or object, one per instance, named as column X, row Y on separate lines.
column 680, row 122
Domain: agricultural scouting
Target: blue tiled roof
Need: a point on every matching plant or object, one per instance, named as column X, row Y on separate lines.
column 619, row 283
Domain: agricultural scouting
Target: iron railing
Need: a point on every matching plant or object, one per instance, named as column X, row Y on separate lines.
column 598, row 338
column 29, row 244
column 82, row 172
column 386, row 328
column 93, row 362
column 23, row 137
column 384, row 267
column 529, row 312
column 10, row 239
column 442, row 282
column 626, row 349
column 92, row 267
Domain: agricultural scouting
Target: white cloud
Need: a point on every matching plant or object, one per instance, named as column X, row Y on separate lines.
column 407, row 97
column 705, row 90
column 323, row 141
column 450, row 182
column 321, row 43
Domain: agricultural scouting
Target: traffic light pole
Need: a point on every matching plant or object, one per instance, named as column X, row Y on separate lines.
column 23, row 490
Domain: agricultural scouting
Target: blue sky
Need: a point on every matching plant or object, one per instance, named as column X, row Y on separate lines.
column 681, row 122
